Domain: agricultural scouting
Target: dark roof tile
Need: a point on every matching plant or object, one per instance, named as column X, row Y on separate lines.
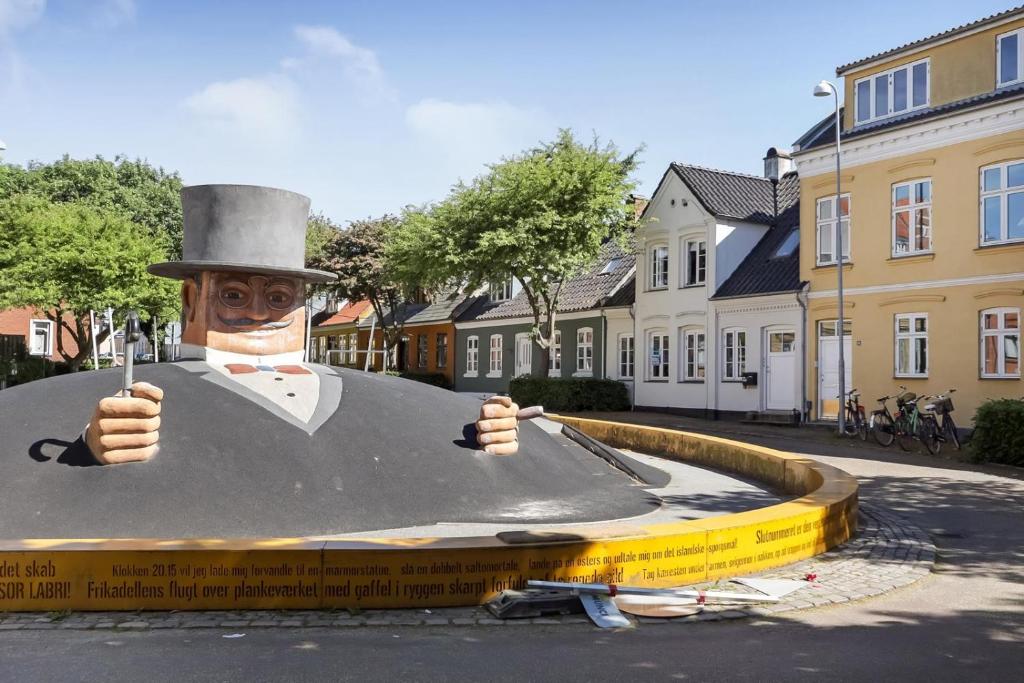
column 730, row 195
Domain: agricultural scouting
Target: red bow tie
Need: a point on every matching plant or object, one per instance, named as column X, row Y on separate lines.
column 244, row 369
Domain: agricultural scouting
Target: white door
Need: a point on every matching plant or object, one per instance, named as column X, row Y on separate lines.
column 828, row 375
column 780, row 370
column 524, row 353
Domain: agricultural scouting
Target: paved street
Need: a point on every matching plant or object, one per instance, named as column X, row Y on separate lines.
column 962, row 622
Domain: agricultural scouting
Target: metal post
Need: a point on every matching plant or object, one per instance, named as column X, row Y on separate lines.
column 93, row 329
column 369, row 344
column 156, row 340
column 839, row 274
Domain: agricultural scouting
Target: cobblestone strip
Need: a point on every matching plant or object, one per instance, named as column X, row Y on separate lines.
column 888, row 553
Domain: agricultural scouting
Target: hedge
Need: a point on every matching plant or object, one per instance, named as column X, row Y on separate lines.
column 435, row 379
column 569, row 395
column 999, row 432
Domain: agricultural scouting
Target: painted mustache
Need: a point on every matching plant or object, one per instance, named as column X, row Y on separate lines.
column 262, row 324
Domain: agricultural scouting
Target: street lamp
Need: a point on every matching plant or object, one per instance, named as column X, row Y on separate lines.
column 824, row 89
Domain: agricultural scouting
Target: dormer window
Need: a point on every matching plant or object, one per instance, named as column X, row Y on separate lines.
column 892, row 92
column 1009, row 58
column 500, row 291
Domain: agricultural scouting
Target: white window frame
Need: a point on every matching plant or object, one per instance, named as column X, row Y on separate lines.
column 584, row 352
column 688, row 278
column 889, row 74
column 494, row 355
column 734, row 364
column 658, row 372
column 500, row 291
column 833, row 225
column 440, row 359
column 911, row 336
column 555, row 356
column 422, row 351
column 696, row 340
column 520, row 368
column 1000, row 333
column 353, row 350
column 658, row 266
column 1020, row 57
column 472, row 356
column 626, row 356
column 32, row 325
column 912, row 209
column 1003, row 193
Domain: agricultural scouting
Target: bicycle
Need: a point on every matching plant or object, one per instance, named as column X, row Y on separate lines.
column 855, row 422
column 942, row 407
column 881, row 424
column 912, row 423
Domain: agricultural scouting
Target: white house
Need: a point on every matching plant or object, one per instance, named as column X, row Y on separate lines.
column 718, row 294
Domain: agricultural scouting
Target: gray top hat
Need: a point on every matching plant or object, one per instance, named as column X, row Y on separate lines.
column 243, row 228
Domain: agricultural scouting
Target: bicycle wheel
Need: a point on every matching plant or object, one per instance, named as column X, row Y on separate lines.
column 928, row 434
column 949, row 427
column 904, row 436
column 862, row 427
column 883, row 429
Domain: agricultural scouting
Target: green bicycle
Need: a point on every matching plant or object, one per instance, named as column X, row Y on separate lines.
column 911, row 423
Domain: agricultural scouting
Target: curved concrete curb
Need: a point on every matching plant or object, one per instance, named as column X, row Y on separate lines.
column 308, row 573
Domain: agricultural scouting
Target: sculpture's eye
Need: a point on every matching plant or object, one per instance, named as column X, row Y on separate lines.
column 235, row 295
column 280, row 297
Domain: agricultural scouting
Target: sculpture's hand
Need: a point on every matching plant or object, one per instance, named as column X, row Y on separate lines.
column 497, row 430
column 125, row 429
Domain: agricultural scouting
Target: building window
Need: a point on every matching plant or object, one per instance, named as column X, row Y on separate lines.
column 912, row 345
column 626, row 354
column 892, row 92
column 1000, row 342
column 40, row 338
column 1002, row 203
column 472, row 356
column 555, row 356
column 693, row 349
column 1009, row 58
column 912, row 218
column 657, row 363
column 585, row 350
column 734, row 354
column 442, row 350
column 695, row 257
column 494, row 369
column 828, row 223
column 421, row 350
column 353, row 348
column 501, row 291
column 659, row 267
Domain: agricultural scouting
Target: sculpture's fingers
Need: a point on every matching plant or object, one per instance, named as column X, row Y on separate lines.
column 502, row 448
column 490, row 411
column 128, row 425
column 127, row 455
column 497, row 424
column 128, row 407
column 499, row 400
column 497, row 437
column 114, row 442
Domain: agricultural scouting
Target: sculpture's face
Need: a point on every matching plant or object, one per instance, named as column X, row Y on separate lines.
column 245, row 313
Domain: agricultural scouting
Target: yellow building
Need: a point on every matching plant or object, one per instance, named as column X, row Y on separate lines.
column 932, row 220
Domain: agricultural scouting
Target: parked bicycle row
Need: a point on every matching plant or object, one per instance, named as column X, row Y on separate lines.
column 931, row 423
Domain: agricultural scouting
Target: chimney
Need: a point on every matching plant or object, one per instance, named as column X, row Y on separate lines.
column 638, row 202
column 777, row 164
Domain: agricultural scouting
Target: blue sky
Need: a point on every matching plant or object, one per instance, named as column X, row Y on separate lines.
column 369, row 106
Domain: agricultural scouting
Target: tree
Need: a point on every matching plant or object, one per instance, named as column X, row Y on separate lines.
column 358, row 255
column 69, row 258
column 146, row 195
column 539, row 217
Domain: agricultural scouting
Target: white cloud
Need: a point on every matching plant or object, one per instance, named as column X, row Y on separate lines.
column 359, row 64
column 17, row 14
column 474, row 133
column 113, row 13
column 260, row 109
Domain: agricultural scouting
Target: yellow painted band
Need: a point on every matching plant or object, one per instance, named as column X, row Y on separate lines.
column 309, row 573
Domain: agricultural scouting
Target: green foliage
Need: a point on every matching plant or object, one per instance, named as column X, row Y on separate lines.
column 435, row 379
column 999, row 432
column 319, row 231
column 540, row 217
column 71, row 257
column 146, row 195
column 569, row 395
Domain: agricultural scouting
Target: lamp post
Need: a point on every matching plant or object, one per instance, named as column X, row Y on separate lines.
column 824, row 89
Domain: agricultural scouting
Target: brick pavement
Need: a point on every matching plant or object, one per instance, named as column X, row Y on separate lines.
column 888, row 553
